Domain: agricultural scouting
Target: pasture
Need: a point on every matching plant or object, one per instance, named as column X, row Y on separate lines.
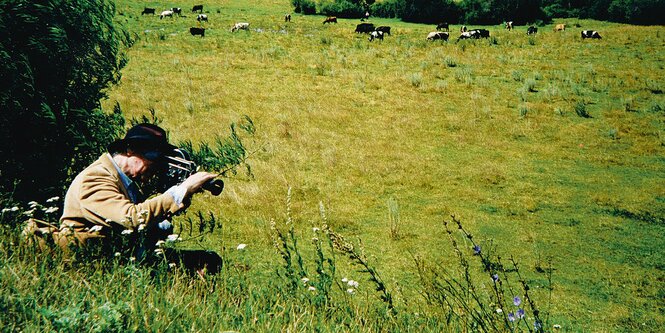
column 547, row 147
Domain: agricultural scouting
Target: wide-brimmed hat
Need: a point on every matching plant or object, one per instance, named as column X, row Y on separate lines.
column 143, row 138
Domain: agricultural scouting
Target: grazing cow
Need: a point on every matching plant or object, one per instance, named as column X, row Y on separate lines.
column 197, row 8
column 480, row 33
column 560, row 27
column 147, row 10
column 197, row 31
column 330, row 19
column 202, row 17
column 438, row 35
column 442, row 26
column 364, row 28
column 177, row 11
column 463, row 29
column 593, row 34
column 384, row 29
column 240, row 26
column 465, row 35
column 166, row 13
column 531, row 30
column 287, row 18
column 375, row 34
column 509, row 25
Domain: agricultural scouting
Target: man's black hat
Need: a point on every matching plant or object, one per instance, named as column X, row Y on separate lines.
column 143, row 138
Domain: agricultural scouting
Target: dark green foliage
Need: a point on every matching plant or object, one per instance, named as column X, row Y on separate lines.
column 342, row 8
column 58, row 57
column 429, row 11
column 304, row 6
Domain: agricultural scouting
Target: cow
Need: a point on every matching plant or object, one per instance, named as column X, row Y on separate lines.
column 384, row 29
column 240, row 26
column 463, row 29
column 442, row 26
column 177, row 10
column 197, row 31
column 197, row 8
column 531, row 30
column 480, row 33
column 509, row 25
column 287, row 18
column 202, row 17
column 560, row 27
column 364, row 28
column 330, row 19
column 375, row 34
column 147, row 10
column 166, row 13
column 593, row 34
column 438, row 35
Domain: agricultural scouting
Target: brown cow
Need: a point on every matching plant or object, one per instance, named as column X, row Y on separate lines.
column 560, row 27
column 330, row 19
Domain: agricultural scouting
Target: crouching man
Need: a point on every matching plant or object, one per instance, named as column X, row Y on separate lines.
column 104, row 205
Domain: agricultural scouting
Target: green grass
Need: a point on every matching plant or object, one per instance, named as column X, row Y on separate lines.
column 488, row 131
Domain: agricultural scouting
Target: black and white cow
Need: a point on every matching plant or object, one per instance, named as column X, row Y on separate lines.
column 385, row 29
column 147, row 10
column 376, row 34
column 531, row 30
column 364, row 28
column 462, row 29
column 438, row 35
column 202, row 17
column 197, row 31
column 479, row 33
column 509, row 25
column 287, row 18
column 197, row 8
column 593, row 34
column 177, row 11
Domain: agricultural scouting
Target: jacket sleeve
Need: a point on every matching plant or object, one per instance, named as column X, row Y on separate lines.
column 102, row 199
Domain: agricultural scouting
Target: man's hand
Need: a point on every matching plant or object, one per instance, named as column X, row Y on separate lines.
column 195, row 182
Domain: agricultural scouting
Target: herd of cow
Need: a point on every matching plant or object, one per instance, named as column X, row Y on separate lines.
column 368, row 28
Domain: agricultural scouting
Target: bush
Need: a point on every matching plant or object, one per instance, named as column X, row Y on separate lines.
column 306, row 7
column 54, row 76
column 341, row 8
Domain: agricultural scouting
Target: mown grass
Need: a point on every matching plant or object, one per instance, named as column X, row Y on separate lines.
column 548, row 146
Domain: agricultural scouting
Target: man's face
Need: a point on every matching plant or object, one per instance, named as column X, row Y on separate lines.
column 139, row 167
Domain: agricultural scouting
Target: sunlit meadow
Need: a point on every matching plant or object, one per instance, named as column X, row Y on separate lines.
column 546, row 148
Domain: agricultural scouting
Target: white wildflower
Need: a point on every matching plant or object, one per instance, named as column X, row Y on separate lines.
column 315, row 229
column 141, row 227
column 127, row 231
column 33, row 204
column 499, row 311
column 29, row 212
column 159, row 251
column 132, row 258
column 159, row 243
column 353, row 284
column 304, row 280
column 173, row 238
column 345, row 280
column 350, row 291
column 14, row 209
column 4, row 210
column 96, row 228
column 51, row 210
column 311, row 288
column 53, row 199
column 241, row 247
column 117, row 254
column 172, row 265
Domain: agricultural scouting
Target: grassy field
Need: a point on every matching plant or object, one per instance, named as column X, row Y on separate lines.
column 548, row 148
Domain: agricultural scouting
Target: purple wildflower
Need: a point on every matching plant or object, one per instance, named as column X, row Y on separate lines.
column 476, row 249
column 517, row 301
column 511, row 317
column 495, row 277
column 520, row 313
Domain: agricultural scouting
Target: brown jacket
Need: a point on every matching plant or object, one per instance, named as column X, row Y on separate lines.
column 98, row 197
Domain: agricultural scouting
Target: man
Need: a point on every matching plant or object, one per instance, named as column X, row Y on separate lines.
column 104, row 202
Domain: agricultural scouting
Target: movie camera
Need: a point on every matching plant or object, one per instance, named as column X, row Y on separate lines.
column 180, row 166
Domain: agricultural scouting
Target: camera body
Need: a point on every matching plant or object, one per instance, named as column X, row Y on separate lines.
column 179, row 166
